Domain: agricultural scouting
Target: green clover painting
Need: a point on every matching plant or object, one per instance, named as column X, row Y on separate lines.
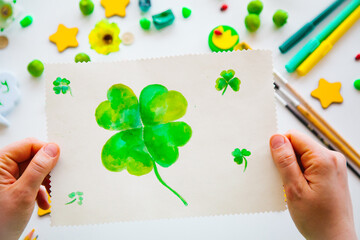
column 147, row 133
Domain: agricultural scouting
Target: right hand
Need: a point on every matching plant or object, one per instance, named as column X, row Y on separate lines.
column 317, row 190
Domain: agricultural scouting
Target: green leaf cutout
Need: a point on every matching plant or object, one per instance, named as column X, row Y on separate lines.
column 147, row 133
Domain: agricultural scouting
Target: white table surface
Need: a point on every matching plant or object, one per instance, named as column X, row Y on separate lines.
column 183, row 37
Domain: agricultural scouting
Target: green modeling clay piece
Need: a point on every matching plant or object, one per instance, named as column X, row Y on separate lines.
column 252, row 22
column 163, row 19
column 280, row 18
column 148, row 135
column 36, row 68
column 26, row 21
column 255, row 7
column 86, row 7
column 186, row 12
column 223, row 38
column 82, row 57
column 240, row 156
column 145, row 23
column 357, row 84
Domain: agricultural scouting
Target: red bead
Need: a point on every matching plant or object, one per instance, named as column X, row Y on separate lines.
column 224, row 7
column 357, row 58
column 217, row 32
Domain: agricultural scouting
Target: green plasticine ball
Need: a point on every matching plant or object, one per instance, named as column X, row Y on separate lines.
column 145, row 23
column 255, row 7
column 36, row 68
column 357, row 84
column 86, row 7
column 82, row 57
column 186, row 12
column 252, row 22
column 26, row 21
column 280, row 18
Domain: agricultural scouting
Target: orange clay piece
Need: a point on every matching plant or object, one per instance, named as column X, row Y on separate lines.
column 327, row 93
column 64, row 37
column 115, row 7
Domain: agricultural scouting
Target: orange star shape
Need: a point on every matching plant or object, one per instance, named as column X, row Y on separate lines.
column 64, row 37
column 327, row 93
column 115, row 7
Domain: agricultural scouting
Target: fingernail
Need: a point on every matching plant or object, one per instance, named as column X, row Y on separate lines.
column 51, row 149
column 277, row 141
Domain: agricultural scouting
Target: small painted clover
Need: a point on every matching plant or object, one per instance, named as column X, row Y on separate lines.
column 6, row 85
column 73, row 197
column 227, row 78
column 240, row 156
column 148, row 133
column 61, row 85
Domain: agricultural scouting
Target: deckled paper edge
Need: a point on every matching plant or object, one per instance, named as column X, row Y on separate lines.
column 245, row 52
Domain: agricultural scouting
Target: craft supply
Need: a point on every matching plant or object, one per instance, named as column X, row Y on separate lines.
column 252, row 22
column 29, row 235
column 86, row 7
column 242, row 46
column 224, row 7
column 327, row 93
column 315, row 42
column 26, row 21
column 163, row 19
column 308, row 27
column 104, row 38
column 186, row 12
column 6, row 14
column 281, row 79
column 35, row 68
column 313, row 130
column 328, row 43
column 223, row 38
column 9, row 96
column 82, row 57
column 127, row 38
column 357, row 84
column 4, row 42
column 115, row 7
column 64, row 37
column 42, row 212
column 357, row 58
column 255, row 7
column 145, row 23
column 280, row 18
column 144, row 5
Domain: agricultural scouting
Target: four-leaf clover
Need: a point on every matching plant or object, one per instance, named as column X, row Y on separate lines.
column 148, row 135
column 239, row 156
column 227, row 78
column 61, row 85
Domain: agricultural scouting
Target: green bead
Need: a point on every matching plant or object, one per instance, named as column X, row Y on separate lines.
column 186, row 12
column 252, row 22
column 36, row 68
column 255, row 7
column 357, row 84
column 145, row 23
column 86, row 7
column 280, row 18
column 82, row 57
column 26, row 21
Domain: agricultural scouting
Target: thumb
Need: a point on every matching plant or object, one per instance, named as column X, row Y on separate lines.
column 39, row 167
column 285, row 160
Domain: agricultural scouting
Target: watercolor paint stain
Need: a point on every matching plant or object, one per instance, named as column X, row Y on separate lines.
column 240, row 156
column 61, row 85
column 76, row 196
column 227, row 79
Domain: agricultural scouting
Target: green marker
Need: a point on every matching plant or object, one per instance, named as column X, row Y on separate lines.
column 315, row 42
column 308, row 27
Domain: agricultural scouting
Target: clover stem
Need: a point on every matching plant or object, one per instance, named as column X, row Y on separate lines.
column 225, row 89
column 167, row 186
column 245, row 164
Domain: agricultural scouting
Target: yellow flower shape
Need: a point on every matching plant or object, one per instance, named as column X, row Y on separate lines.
column 104, row 38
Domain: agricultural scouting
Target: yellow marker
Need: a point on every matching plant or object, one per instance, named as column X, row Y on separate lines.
column 327, row 93
column 328, row 43
column 64, row 37
column 115, row 7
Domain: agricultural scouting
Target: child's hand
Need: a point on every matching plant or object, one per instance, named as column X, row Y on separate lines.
column 318, row 196
column 24, row 165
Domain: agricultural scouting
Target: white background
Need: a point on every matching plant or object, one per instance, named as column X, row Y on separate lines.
column 183, row 37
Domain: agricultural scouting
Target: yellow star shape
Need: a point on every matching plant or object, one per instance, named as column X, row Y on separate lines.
column 64, row 37
column 327, row 93
column 115, row 7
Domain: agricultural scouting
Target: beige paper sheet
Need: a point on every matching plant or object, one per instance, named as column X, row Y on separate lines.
column 205, row 173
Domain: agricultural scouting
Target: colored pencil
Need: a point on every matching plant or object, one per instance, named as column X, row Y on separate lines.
column 308, row 27
column 29, row 236
column 328, row 43
column 292, row 65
